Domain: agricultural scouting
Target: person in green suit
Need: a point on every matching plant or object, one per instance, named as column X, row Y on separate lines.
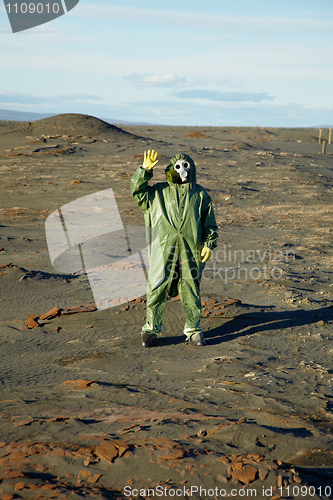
column 179, row 213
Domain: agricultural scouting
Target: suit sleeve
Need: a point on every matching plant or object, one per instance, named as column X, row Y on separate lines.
column 209, row 226
column 141, row 192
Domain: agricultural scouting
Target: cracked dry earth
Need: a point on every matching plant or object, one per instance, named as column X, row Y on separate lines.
column 85, row 411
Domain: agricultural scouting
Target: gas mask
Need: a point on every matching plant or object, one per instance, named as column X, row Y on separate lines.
column 182, row 168
column 179, row 172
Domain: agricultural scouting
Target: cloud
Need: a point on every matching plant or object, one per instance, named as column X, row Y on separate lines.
column 12, row 98
column 156, row 80
column 216, row 95
column 227, row 82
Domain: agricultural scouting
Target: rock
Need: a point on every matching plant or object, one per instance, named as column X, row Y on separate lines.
column 52, row 313
column 202, row 432
column 263, row 474
column 21, row 423
column 175, row 452
column 239, row 466
column 110, row 450
column 84, row 473
column 79, row 384
column 121, row 445
column 78, row 309
column 19, row 486
column 94, row 479
column 107, row 451
column 11, row 474
column 245, row 475
column 31, row 323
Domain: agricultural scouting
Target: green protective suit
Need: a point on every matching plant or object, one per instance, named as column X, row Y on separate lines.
column 181, row 217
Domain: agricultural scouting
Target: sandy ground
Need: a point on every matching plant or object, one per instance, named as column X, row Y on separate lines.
column 85, row 410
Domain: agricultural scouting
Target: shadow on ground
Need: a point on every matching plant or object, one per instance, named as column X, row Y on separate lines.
column 265, row 321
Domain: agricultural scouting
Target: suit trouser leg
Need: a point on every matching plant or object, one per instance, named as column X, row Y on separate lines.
column 156, row 300
column 189, row 293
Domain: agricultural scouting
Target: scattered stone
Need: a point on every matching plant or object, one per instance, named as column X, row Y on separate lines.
column 263, row 474
column 78, row 309
column 10, row 264
column 21, row 423
column 239, row 465
column 19, row 486
column 52, row 313
column 202, row 432
column 57, row 419
column 271, row 465
column 48, row 487
column 31, row 322
column 79, row 384
column 174, row 452
column 84, row 473
column 246, row 475
column 11, row 474
column 94, row 479
column 110, row 450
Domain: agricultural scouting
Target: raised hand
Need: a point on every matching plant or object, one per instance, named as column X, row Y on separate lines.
column 150, row 161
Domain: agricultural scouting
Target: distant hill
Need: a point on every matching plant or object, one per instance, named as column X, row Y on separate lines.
column 67, row 124
column 27, row 116
column 74, row 124
column 8, row 114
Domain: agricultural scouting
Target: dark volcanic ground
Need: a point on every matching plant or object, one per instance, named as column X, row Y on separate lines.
column 84, row 409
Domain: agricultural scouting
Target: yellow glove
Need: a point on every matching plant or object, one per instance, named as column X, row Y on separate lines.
column 205, row 254
column 150, row 161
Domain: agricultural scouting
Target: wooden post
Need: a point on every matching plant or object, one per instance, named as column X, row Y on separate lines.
column 319, row 136
column 330, row 135
column 324, row 147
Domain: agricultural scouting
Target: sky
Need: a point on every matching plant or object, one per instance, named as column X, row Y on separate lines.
column 180, row 62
